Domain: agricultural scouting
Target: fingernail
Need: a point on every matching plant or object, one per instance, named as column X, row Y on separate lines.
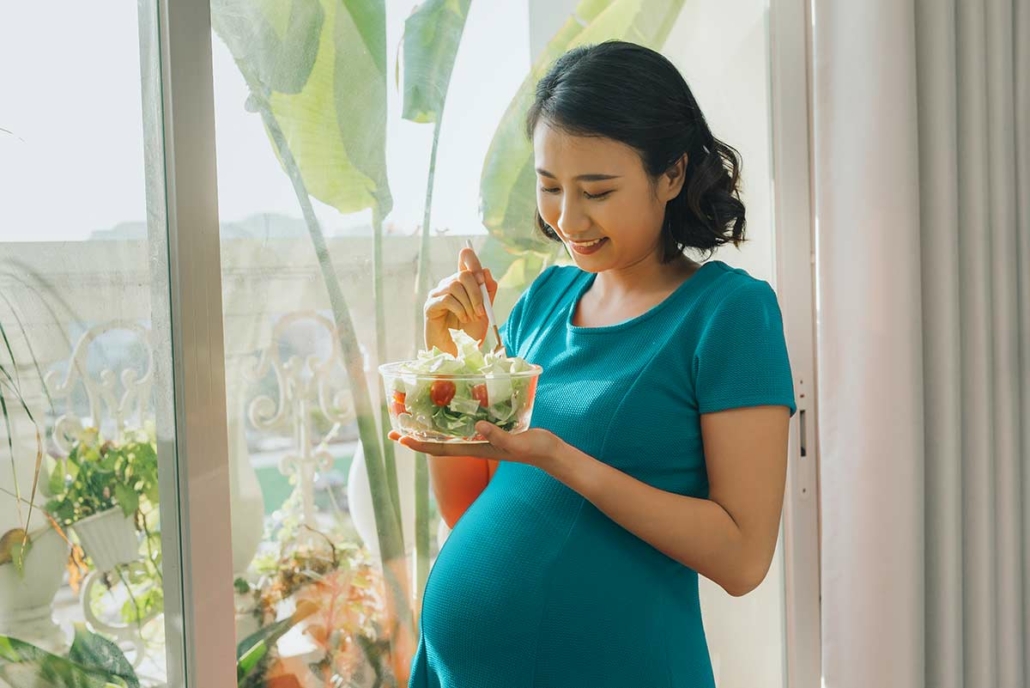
column 480, row 278
column 480, row 309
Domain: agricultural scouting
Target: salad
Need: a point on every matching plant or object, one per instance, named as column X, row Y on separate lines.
column 441, row 397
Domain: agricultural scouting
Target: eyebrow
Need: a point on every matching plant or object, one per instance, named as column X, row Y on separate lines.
column 582, row 177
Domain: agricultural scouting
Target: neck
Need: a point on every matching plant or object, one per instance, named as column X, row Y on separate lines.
column 646, row 275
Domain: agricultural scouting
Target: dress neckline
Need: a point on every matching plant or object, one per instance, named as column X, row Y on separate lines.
column 690, row 284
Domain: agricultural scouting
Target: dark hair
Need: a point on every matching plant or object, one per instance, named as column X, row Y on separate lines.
column 634, row 95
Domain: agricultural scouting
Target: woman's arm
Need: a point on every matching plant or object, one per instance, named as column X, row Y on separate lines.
column 457, row 482
column 729, row 537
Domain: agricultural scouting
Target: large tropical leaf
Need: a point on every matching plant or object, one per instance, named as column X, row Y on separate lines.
column 277, row 40
column 92, row 662
column 507, row 184
column 319, row 66
column 432, row 35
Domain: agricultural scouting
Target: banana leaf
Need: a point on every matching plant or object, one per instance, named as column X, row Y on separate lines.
column 432, row 35
column 330, row 138
column 320, row 66
column 507, row 184
column 328, row 129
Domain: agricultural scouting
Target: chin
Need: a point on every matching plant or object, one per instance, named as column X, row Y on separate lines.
column 588, row 263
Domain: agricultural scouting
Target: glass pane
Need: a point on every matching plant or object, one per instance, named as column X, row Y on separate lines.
column 344, row 177
column 305, row 503
column 85, row 359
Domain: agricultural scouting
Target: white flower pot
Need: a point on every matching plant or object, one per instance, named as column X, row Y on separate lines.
column 359, row 499
column 109, row 538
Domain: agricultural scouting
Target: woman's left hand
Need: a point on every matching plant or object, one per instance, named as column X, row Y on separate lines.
column 535, row 446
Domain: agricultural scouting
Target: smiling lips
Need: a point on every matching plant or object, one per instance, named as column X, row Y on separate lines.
column 587, row 247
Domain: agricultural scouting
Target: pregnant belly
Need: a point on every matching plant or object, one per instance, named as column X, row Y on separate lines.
column 488, row 585
column 535, row 582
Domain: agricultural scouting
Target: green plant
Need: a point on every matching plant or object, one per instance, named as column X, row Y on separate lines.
column 92, row 662
column 97, row 476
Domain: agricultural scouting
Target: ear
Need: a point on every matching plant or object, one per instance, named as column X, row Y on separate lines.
column 671, row 182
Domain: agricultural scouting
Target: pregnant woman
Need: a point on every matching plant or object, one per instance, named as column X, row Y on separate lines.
column 659, row 442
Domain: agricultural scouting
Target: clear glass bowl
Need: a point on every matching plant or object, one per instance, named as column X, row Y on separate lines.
column 446, row 408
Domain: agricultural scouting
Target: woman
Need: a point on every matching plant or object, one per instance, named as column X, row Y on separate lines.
column 659, row 442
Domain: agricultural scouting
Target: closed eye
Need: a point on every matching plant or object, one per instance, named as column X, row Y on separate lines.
column 594, row 197
column 549, row 190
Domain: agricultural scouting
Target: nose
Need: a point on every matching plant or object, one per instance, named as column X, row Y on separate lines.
column 572, row 221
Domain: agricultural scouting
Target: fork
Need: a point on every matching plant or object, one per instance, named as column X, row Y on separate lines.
column 489, row 308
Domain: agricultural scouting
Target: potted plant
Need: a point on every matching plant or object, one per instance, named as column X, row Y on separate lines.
column 33, row 548
column 107, row 492
column 335, row 593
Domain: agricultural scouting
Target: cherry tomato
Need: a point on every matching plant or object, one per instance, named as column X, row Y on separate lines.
column 442, row 392
column 398, row 406
column 479, row 394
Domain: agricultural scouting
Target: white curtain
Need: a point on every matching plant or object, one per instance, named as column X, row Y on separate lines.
column 922, row 167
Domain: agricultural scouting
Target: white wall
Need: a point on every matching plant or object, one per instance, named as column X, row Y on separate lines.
column 722, row 48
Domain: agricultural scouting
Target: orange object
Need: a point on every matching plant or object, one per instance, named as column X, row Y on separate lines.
column 442, row 391
column 398, row 403
column 457, row 482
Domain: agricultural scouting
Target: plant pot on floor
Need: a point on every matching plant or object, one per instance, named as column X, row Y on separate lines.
column 109, row 538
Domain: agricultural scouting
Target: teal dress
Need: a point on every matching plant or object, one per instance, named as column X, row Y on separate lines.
column 537, row 588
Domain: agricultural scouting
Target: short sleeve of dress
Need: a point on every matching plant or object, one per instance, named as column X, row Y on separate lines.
column 741, row 358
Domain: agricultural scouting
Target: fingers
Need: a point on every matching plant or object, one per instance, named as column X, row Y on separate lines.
column 472, row 290
column 441, row 303
column 491, row 284
column 484, row 451
column 465, row 292
column 493, row 434
column 467, row 260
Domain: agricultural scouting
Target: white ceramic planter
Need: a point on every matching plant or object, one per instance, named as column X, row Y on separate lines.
column 359, row 499
column 109, row 538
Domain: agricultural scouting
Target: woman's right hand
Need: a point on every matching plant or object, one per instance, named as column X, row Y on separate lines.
column 457, row 303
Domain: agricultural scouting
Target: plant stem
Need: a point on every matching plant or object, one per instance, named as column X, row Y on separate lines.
column 378, row 298
column 391, row 544
column 421, row 467
column 132, row 598
column 150, row 550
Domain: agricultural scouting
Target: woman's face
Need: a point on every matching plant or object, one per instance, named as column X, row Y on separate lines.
column 600, row 200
